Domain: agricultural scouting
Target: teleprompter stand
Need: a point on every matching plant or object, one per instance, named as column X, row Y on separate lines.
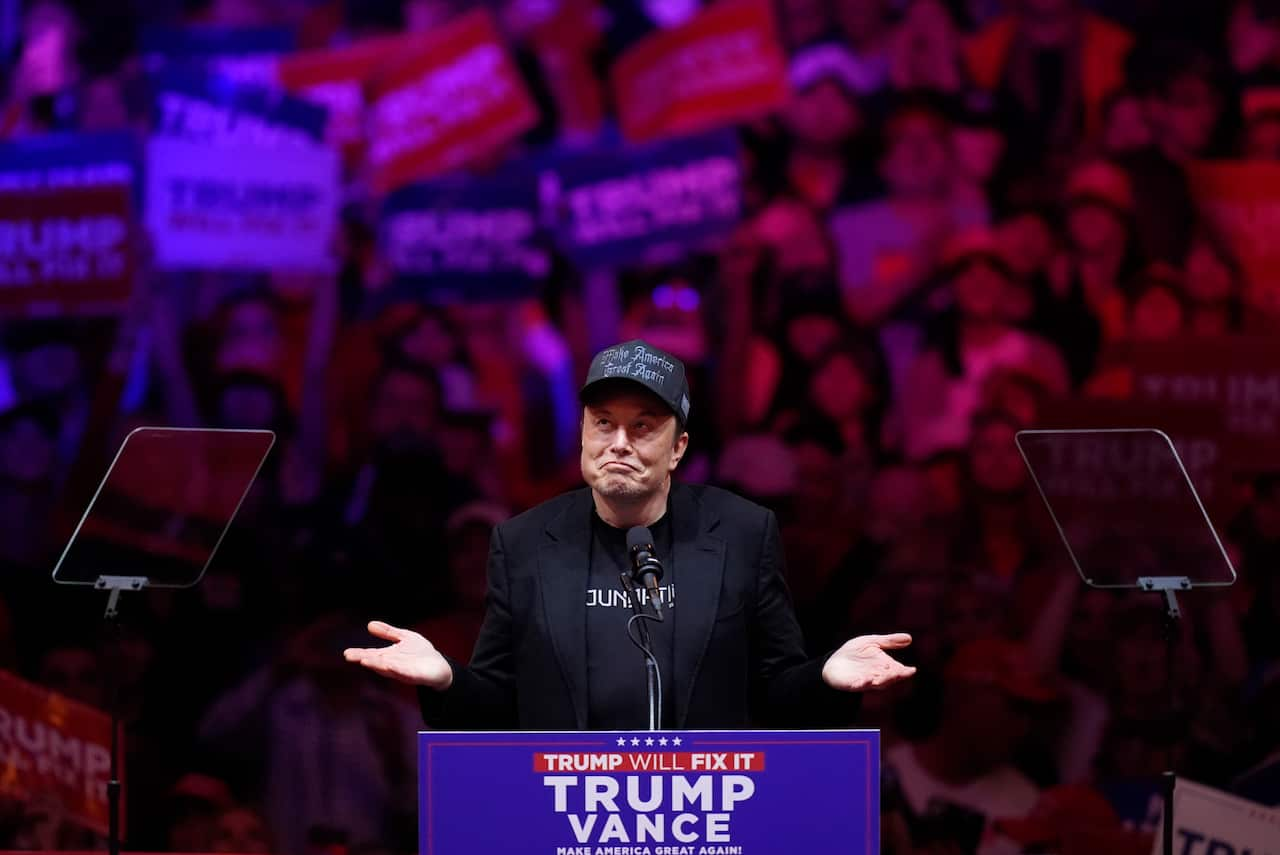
column 156, row 520
column 1130, row 517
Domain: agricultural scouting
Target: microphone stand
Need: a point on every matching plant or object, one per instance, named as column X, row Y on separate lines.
column 653, row 677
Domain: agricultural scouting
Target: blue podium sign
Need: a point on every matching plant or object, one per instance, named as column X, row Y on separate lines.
column 643, row 793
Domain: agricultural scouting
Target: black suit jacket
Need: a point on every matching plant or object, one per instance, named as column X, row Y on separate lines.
column 739, row 653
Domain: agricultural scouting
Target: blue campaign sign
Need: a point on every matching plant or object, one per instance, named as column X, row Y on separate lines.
column 465, row 238
column 213, row 42
column 618, row 203
column 660, row 793
column 197, row 106
column 241, row 208
column 59, row 161
column 242, row 53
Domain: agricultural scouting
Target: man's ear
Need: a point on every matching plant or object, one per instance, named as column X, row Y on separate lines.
column 677, row 453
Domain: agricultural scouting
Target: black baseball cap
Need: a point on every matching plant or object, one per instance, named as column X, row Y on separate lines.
column 641, row 363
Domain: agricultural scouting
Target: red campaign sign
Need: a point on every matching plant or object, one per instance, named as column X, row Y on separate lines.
column 457, row 98
column 724, row 66
column 1239, row 375
column 55, row 749
column 336, row 79
column 65, row 251
column 1243, row 200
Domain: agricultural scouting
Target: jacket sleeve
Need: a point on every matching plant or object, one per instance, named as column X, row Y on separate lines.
column 787, row 688
column 483, row 695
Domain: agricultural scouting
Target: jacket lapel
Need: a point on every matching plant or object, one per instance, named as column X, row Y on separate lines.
column 563, row 565
column 699, row 570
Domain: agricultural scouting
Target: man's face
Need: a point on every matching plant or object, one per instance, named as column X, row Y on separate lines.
column 1209, row 279
column 1157, row 315
column 404, row 413
column 248, row 406
column 1094, row 229
column 994, row 461
column 104, row 107
column 839, row 389
column 823, row 116
column 1027, row 243
column 1127, row 128
column 918, row 159
column 241, row 830
column 27, row 453
column 72, row 671
column 977, row 151
column 810, row 335
column 253, row 338
column 796, row 237
column 429, row 341
column 629, row 445
column 48, row 370
column 981, row 290
column 1187, row 114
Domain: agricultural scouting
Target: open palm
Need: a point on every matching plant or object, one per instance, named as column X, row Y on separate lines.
column 861, row 663
column 411, row 659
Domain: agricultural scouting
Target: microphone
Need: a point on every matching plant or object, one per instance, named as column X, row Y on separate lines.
column 646, row 569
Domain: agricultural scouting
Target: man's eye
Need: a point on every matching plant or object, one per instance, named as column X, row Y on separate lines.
column 642, row 426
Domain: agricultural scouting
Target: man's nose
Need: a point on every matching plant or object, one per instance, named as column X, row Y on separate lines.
column 619, row 442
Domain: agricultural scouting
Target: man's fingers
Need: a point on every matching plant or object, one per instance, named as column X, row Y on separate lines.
column 884, row 681
column 358, row 654
column 386, row 630
column 377, row 666
column 892, row 641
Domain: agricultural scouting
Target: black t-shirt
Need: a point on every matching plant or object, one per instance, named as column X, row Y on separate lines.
column 617, row 698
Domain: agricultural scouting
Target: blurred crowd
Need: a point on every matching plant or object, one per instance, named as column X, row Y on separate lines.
column 963, row 205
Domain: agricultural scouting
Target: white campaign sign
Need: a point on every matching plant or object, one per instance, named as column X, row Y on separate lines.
column 241, row 208
column 1210, row 822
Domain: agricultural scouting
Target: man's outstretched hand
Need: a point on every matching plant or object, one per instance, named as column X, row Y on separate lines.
column 411, row 659
column 861, row 663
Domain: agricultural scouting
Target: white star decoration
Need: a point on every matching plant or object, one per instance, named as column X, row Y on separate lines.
column 649, row 741
column 675, row 741
column 662, row 741
column 622, row 740
column 635, row 741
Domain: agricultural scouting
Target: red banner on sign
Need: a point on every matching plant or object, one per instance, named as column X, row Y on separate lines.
column 458, row 97
column 65, row 251
column 724, row 66
column 53, row 748
column 336, row 79
column 649, row 761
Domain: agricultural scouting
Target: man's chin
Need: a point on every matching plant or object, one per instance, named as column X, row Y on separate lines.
column 620, row 487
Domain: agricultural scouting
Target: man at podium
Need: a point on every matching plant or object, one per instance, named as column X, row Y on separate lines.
column 553, row 651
